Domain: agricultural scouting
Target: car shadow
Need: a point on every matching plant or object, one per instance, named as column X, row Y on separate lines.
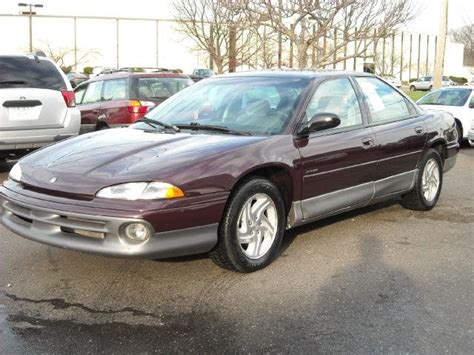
column 292, row 234
column 361, row 303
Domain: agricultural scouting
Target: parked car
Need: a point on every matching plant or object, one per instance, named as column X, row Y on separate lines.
column 122, row 98
column 199, row 74
column 36, row 105
column 459, row 101
column 143, row 70
column 76, row 78
column 394, row 81
column 229, row 164
column 426, row 83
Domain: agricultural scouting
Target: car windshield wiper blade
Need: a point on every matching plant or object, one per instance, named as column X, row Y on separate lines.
column 13, row 82
column 151, row 122
column 195, row 125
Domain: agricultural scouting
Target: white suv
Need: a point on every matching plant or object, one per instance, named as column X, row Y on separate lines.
column 37, row 105
column 426, row 83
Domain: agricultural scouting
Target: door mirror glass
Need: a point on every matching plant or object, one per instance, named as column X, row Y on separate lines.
column 320, row 122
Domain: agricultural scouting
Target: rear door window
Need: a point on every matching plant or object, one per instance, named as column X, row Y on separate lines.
column 29, row 72
column 93, row 93
column 116, row 89
column 160, row 88
column 385, row 103
column 79, row 93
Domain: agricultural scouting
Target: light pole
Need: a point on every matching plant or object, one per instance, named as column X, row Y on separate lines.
column 30, row 14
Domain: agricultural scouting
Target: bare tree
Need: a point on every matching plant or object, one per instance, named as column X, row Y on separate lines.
column 465, row 35
column 220, row 29
column 64, row 56
column 331, row 25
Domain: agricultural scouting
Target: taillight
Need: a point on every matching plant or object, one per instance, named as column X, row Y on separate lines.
column 135, row 106
column 69, row 98
column 139, row 108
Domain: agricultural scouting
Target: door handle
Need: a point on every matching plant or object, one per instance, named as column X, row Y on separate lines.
column 419, row 130
column 368, row 142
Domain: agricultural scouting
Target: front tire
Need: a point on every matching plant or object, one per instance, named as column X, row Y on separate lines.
column 412, row 88
column 429, row 182
column 459, row 132
column 252, row 227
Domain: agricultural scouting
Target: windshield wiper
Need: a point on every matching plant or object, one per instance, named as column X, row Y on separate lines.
column 196, row 125
column 153, row 123
column 13, row 82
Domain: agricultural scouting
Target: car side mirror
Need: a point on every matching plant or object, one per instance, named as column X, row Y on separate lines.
column 471, row 104
column 320, row 122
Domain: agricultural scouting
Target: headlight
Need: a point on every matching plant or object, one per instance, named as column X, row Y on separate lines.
column 141, row 191
column 15, row 172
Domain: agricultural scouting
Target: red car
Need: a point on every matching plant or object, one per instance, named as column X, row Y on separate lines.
column 122, row 98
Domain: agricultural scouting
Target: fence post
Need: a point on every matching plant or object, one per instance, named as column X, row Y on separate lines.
column 401, row 58
column 75, row 44
column 419, row 55
column 117, row 43
column 409, row 59
column 393, row 54
column 355, row 49
column 157, row 44
column 427, row 54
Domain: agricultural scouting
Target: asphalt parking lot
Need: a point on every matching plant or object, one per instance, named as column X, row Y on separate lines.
column 381, row 279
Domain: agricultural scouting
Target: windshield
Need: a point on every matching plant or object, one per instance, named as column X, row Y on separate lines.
column 262, row 106
column 451, row 97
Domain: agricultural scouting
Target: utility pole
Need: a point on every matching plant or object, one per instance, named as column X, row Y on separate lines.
column 30, row 14
column 441, row 47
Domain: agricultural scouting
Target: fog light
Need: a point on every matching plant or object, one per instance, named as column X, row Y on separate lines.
column 137, row 232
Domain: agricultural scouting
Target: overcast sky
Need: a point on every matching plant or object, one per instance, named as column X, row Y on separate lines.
column 427, row 21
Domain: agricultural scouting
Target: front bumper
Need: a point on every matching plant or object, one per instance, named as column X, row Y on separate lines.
column 101, row 234
column 470, row 137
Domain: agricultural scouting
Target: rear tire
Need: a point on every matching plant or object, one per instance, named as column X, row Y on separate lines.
column 412, row 88
column 429, row 182
column 252, row 227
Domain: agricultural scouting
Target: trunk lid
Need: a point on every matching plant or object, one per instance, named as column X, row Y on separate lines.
column 31, row 108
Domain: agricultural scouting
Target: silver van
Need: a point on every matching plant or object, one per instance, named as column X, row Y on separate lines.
column 37, row 105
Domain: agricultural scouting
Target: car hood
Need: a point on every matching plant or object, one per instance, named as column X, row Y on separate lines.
column 84, row 165
column 444, row 108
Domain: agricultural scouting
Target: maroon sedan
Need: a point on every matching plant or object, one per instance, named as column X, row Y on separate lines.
column 120, row 99
column 227, row 165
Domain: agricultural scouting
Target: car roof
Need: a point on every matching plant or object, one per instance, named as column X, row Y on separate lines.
column 293, row 73
column 121, row 75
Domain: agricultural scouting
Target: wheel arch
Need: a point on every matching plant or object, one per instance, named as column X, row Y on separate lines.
column 440, row 146
column 459, row 123
column 278, row 174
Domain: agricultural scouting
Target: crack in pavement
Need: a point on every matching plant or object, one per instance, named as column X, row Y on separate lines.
column 62, row 304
